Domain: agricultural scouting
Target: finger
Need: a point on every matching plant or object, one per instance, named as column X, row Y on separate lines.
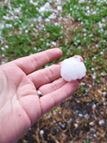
column 45, row 76
column 50, row 100
column 33, row 62
column 48, row 88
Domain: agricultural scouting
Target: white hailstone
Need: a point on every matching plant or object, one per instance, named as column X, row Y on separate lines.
column 92, row 123
column 41, row 132
column 45, row 8
column 34, row 3
column 101, row 122
column 81, row 1
column 59, row 8
column 52, row 16
column 76, row 125
column 53, row 43
column 2, row 26
column 73, row 68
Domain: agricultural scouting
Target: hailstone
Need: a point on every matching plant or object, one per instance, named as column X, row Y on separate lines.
column 73, row 68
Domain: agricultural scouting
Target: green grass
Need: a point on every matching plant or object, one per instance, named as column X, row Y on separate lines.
column 86, row 141
column 91, row 38
column 23, row 37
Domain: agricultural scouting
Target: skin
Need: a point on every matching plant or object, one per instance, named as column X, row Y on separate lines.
column 20, row 105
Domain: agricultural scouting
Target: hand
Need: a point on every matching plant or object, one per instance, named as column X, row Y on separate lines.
column 20, row 105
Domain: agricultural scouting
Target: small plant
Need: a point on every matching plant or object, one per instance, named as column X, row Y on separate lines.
column 87, row 141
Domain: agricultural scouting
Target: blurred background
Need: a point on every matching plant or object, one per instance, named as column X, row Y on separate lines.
column 77, row 27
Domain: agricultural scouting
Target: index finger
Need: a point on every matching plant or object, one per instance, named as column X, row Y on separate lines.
column 33, row 62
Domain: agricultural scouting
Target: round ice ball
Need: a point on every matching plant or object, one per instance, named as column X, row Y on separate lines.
column 73, row 68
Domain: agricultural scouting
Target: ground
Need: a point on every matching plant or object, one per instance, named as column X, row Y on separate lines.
column 77, row 27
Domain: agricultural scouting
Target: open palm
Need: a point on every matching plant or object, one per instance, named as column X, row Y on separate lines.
column 20, row 80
